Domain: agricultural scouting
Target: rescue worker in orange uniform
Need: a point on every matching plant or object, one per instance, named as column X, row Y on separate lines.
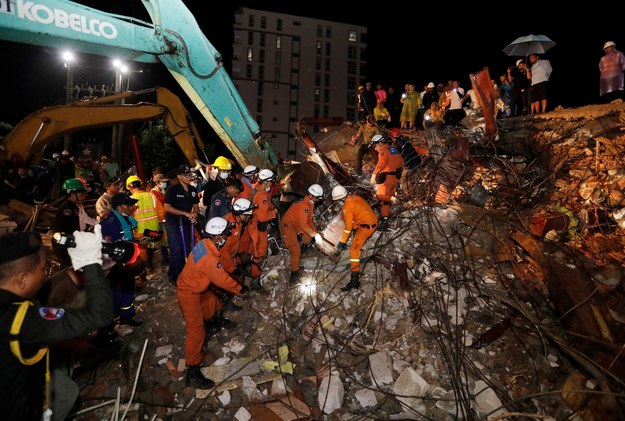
column 200, row 306
column 386, row 175
column 358, row 216
column 298, row 219
column 248, row 178
column 264, row 212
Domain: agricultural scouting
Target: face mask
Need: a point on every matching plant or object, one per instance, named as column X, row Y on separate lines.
column 224, row 175
column 340, row 203
column 194, row 185
column 163, row 186
column 268, row 189
column 220, row 243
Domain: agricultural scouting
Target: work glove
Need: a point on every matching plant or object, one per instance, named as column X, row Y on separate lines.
column 318, row 239
column 88, row 248
column 372, row 181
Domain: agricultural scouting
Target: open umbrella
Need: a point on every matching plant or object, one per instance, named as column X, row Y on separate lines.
column 529, row 44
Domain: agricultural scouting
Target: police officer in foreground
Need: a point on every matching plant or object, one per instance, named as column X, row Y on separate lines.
column 28, row 329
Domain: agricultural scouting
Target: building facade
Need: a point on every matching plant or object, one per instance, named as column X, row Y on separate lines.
column 286, row 67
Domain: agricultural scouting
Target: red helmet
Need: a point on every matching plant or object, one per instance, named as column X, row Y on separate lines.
column 395, row 132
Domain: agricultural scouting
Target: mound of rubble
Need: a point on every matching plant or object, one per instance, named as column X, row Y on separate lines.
column 497, row 294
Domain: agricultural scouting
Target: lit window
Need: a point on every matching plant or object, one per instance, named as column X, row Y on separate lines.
column 250, row 54
column 352, row 36
column 279, row 42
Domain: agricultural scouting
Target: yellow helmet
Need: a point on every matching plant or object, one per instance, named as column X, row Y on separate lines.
column 132, row 179
column 223, row 163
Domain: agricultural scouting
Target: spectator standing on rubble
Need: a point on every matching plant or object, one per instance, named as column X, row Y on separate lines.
column 386, row 174
column 29, row 330
column 434, row 117
column 360, row 218
column 363, row 135
column 200, row 306
column 381, row 115
column 393, row 105
column 519, row 95
column 611, row 66
column 298, row 221
column 369, row 98
column 411, row 101
column 540, row 74
column 181, row 212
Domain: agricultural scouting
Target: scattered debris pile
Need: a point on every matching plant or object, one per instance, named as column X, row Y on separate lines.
column 497, row 294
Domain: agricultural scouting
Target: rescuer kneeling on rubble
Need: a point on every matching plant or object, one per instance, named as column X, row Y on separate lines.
column 200, row 306
column 358, row 216
column 29, row 382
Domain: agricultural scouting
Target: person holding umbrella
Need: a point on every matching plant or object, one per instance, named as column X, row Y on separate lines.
column 540, row 73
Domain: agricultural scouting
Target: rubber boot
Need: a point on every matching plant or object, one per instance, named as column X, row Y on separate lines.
column 354, row 282
column 294, row 279
column 222, row 322
column 196, row 379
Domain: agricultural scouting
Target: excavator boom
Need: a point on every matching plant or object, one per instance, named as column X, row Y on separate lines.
column 173, row 38
column 43, row 126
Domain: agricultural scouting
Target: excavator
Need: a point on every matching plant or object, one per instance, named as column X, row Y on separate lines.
column 173, row 38
column 34, row 132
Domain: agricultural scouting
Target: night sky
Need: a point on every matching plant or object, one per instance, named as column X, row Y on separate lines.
column 407, row 43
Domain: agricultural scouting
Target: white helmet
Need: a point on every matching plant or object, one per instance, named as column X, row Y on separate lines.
column 242, row 206
column 266, row 175
column 609, row 44
column 250, row 170
column 316, row 190
column 56, row 155
column 377, row 138
column 216, row 226
column 339, row 192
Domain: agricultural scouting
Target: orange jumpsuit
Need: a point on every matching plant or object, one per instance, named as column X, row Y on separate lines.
column 358, row 215
column 231, row 248
column 262, row 214
column 298, row 219
column 389, row 160
column 196, row 300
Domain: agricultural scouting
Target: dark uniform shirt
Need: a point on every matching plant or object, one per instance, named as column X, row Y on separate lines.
column 221, row 204
column 21, row 386
column 180, row 199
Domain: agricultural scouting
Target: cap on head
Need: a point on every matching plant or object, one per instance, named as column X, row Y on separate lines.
column 609, row 44
column 266, row 175
column 104, row 158
column 56, row 155
column 360, row 87
column 431, row 85
column 339, row 192
column 222, row 163
column 65, row 153
column 242, row 206
column 250, row 170
column 77, row 185
column 120, row 199
column 316, row 191
column 133, row 181
column 519, row 61
column 377, row 139
column 216, row 226
column 15, row 245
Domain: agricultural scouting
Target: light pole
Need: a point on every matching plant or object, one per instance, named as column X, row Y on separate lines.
column 68, row 57
column 118, row 130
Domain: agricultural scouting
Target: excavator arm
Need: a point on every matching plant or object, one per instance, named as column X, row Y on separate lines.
column 199, row 70
column 43, row 126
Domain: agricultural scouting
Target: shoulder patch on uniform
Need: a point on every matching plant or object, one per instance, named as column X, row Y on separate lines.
column 393, row 150
column 51, row 313
column 67, row 212
column 306, row 210
column 219, row 265
column 264, row 201
column 193, row 194
column 217, row 202
column 199, row 251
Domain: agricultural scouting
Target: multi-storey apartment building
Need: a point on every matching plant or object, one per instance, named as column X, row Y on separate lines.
column 286, row 67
